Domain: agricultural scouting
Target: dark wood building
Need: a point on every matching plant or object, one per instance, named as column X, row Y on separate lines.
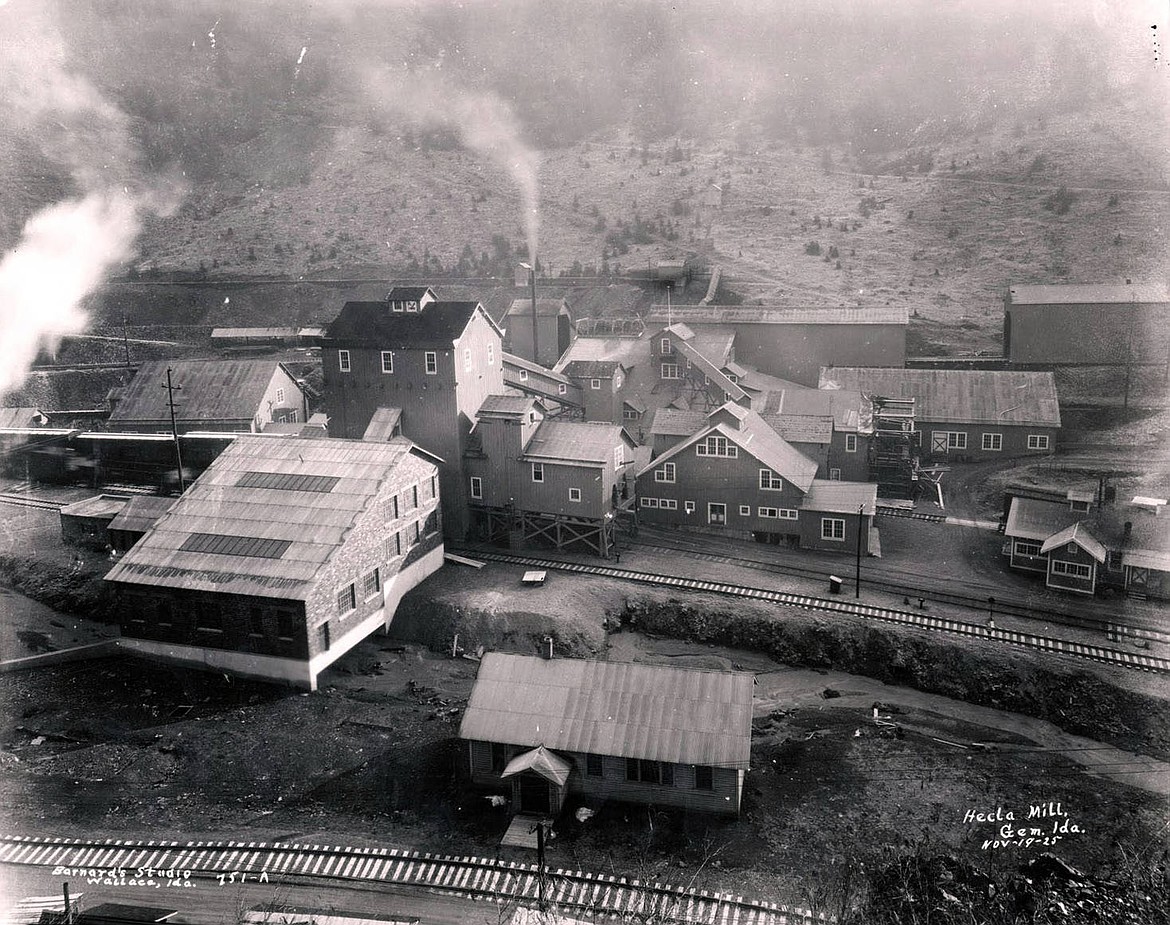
column 553, row 322
column 284, row 555
column 544, row 729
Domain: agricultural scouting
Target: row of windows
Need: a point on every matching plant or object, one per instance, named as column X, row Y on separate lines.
column 991, row 442
column 477, row 485
column 371, row 584
column 1027, row 549
column 667, row 504
column 561, row 387
column 717, row 446
column 670, row 504
column 1071, row 569
column 430, row 361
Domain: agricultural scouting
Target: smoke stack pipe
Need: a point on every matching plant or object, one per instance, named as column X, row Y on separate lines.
column 548, row 647
column 532, row 281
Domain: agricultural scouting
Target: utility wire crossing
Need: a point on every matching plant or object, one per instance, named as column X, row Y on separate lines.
column 481, row 878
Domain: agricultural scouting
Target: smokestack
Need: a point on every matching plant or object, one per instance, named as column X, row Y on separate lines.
column 547, row 651
column 535, row 335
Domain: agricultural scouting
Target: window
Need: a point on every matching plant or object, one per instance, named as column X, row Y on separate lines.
column 561, row 387
column 667, row 347
column 733, row 378
column 574, row 494
column 717, row 446
column 538, row 472
column 491, row 354
column 1113, row 560
column 1037, row 441
column 387, row 361
column 1021, row 548
column 781, row 513
column 431, row 359
column 343, row 361
column 770, row 481
column 834, row 475
column 468, row 365
column 704, row 777
column 670, row 371
column 415, row 531
column 371, row 584
column 689, row 507
column 392, row 509
column 993, row 442
column 396, row 306
column 431, row 487
column 523, row 375
column 649, row 502
column 280, row 396
column 1081, row 507
column 285, row 624
column 769, row 512
column 499, row 757
column 593, row 765
column 851, row 443
column 664, row 473
column 164, row 615
column 956, row 440
column 255, row 621
column 346, row 599
column 477, row 487
column 325, row 640
column 649, row 772
column 832, row 528
column 716, row 513
column 595, row 383
column 208, row 618
column 412, row 306
column 668, row 504
column 619, row 456
column 1071, row 548
column 1071, row 569
column 745, row 510
column 394, row 545
column 629, row 414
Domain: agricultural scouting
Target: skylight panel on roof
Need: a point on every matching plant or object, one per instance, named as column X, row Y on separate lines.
column 219, row 544
column 285, row 481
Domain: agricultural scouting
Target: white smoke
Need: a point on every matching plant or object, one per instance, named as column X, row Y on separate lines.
column 65, row 249
column 485, row 123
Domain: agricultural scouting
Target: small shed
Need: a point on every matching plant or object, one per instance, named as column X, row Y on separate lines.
column 136, row 517
column 87, row 522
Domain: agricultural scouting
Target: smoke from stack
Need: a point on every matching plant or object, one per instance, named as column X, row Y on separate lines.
column 66, row 248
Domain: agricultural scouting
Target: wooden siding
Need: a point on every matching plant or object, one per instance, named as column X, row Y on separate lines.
column 602, row 404
column 798, row 351
column 1075, row 556
column 1024, row 562
column 854, row 466
column 810, row 532
column 724, row 797
column 1014, row 441
column 1090, row 333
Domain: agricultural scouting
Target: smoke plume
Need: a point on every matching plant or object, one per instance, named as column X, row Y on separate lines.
column 66, row 248
column 484, row 121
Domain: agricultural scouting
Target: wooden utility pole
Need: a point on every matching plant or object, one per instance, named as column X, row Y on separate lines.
column 171, row 389
column 860, row 527
column 540, row 867
column 126, row 337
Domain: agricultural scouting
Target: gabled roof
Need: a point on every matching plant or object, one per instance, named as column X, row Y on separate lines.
column 711, row 370
column 848, row 408
column 958, row 396
column 589, row 444
column 628, row 351
column 506, row 405
column 1079, row 535
column 1088, row 294
column 544, row 307
column 833, row 497
column 671, row 422
column 373, row 324
column 1036, row 519
column 540, row 761
column 409, row 294
column 591, row 369
column 758, row 440
column 620, row 709
column 267, row 515
column 213, row 390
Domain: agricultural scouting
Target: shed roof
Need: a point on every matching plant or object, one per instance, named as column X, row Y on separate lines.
column 777, row 314
column 140, row 512
column 440, row 324
column 508, row 405
column 958, row 396
column 575, row 442
column 678, row 715
column 382, row 424
column 841, row 497
column 309, row 494
column 212, row 390
column 1089, row 294
column 1036, row 519
column 591, row 369
column 97, row 506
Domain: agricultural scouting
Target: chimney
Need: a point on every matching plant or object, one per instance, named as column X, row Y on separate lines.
column 547, row 650
column 535, row 336
column 521, row 276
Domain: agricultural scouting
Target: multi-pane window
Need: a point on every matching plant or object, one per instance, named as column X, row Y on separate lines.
column 1037, row 441
column 1026, row 549
column 664, row 473
column 477, row 487
column 670, row 371
column 832, row 528
column 666, row 504
column 595, row 383
column 993, row 442
column 394, row 545
column 343, row 361
column 280, row 396
column 387, row 361
column 371, row 584
column 431, row 362
column 346, row 599
column 956, row 439
column 745, row 510
column 834, row 475
column 689, row 507
column 778, row 513
column 649, row 772
column 562, row 389
column 667, row 347
column 851, row 443
column 574, row 494
column 1071, row 569
column 770, row 481
column 717, row 446
column 538, row 472
column 629, row 414
column 619, row 456
column 523, row 375
column 468, row 364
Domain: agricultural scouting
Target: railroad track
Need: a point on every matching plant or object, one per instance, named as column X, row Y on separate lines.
column 25, row 501
column 906, row 589
column 572, row 891
column 1115, row 657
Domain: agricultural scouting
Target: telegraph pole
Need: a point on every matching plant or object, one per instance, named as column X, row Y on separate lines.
column 126, row 337
column 540, row 866
column 860, row 527
column 171, row 389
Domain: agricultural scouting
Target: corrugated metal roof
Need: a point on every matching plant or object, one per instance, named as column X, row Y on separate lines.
column 1078, row 533
column 212, row 390
column 313, row 524
column 573, row 441
column 776, row 314
column 840, row 497
column 678, row 715
column 958, row 396
column 140, row 512
column 1089, row 294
